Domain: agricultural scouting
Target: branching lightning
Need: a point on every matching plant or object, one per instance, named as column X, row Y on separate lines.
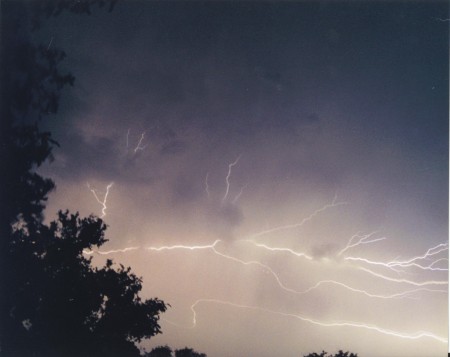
column 395, row 264
column 139, row 146
column 105, row 197
column 364, row 239
column 429, row 261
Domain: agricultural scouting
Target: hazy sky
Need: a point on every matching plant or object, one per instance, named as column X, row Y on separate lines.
column 276, row 168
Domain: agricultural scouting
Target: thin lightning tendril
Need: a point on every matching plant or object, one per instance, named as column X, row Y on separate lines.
column 405, row 281
column 302, row 222
column 139, row 144
column 207, row 185
column 362, row 240
column 227, row 178
column 414, row 336
column 105, row 197
column 410, row 262
column 239, row 194
column 51, row 40
column 274, row 249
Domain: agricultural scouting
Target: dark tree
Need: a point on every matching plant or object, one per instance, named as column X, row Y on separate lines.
column 53, row 302
column 339, row 354
column 188, row 352
column 160, row 351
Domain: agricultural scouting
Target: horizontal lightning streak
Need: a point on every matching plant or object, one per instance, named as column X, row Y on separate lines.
column 404, row 294
column 276, row 249
column 108, row 252
column 430, row 252
column 414, row 336
column 424, row 283
column 186, row 247
column 215, row 251
column 410, row 262
column 212, row 247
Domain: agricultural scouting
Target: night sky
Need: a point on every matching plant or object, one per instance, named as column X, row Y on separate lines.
column 279, row 170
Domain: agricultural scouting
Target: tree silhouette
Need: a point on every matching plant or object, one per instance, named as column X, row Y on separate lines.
column 188, row 352
column 160, row 351
column 53, row 302
column 340, row 353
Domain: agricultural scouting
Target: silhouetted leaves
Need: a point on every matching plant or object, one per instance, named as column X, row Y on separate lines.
column 166, row 351
column 188, row 352
column 160, row 351
column 339, row 354
column 54, row 302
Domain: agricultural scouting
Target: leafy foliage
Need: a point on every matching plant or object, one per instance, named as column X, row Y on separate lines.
column 54, row 302
column 188, row 352
column 160, row 351
column 339, row 354
column 166, row 351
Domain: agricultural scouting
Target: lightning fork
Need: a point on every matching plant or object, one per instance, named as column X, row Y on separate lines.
column 102, row 202
column 364, row 239
column 139, row 144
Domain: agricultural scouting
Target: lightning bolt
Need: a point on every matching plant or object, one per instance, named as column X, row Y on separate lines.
column 105, row 197
column 334, row 203
column 403, row 294
column 139, row 144
column 185, row 247
column 275, row 249
column 362, row 240
column 212, row 247
column 413, row 336
column 227, row 178
column 108, row 252
column 410, row 262
column 404, row 281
